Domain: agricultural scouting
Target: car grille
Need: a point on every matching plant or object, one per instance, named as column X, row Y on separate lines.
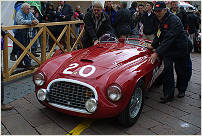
column 69, row 94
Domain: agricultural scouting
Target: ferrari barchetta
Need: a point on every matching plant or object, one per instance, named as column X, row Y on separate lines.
column 105, row 80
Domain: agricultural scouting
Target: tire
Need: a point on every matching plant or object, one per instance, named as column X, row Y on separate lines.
column 130, row 114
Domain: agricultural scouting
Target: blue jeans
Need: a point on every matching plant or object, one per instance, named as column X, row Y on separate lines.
column 77, row 30
column 34, row 32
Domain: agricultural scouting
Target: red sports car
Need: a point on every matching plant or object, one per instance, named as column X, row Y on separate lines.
column 105, row 80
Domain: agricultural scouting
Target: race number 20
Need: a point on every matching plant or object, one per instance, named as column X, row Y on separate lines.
column 81, row 71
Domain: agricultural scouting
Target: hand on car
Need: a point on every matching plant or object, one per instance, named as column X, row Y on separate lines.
column 95, row 42
column 153, row 58
column 149, row 46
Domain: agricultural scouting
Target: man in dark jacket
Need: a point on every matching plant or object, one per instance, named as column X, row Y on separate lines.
column 137, row 17
column 132, row 12
column 50, row 16
column 149, row 22
column 192, row 26
column 78, row 15
column 97, row 23
column 64, row 11
column 122, row 21
column 172, row 44
column 110, row 12
column 180, row 12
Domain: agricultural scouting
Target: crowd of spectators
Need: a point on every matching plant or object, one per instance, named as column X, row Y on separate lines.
column 137, row 21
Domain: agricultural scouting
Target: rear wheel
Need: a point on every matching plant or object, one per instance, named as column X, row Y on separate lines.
column 132, row 112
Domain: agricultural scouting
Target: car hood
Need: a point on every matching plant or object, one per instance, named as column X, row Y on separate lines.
column 98, row 60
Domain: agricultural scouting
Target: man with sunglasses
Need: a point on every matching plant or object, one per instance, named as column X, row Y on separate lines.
column 97, row 23
column 172, row 44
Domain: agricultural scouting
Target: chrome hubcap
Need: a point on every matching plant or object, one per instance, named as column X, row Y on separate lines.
column 135, row 103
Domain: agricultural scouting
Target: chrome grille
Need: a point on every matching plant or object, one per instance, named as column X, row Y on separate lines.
column 69, row 94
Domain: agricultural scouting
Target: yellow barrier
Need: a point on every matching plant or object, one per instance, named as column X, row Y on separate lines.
column 9, row 74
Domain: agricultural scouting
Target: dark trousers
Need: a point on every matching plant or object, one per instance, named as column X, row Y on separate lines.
column 25, row 41
column 2, row 88
column 15, row 48
column 189, row 67
column 182, row 72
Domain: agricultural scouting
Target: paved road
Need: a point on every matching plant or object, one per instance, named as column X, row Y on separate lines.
column 183, row 116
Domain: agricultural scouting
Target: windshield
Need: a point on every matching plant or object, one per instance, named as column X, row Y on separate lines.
column 108, row 38
column 137, row 42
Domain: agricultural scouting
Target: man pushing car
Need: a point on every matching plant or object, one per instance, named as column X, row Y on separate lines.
column 172, row 44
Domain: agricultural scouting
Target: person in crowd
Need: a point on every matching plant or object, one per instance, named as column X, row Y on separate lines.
column 117, row 7
column 15, row 49
column 4, row 107
column 133, row 7
column 97, row 23
column 132, row 12
column 90, row 7
column 180, row 12
column 149, row 22
column 111, row 12
column 24, row 17
column 122, row 21
column 50, row 16
column 198, row 26
column 192, row 26
column 137, row 17
column 43, row 8
column 173, row 45
column 34, row 30
column 49, row 13
column 64, row 12
column 78, row 15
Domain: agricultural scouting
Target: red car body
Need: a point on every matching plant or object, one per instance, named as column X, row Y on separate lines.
column 98, row 67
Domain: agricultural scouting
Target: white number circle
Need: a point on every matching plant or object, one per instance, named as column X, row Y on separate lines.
column 88, row 74
column 66, row 71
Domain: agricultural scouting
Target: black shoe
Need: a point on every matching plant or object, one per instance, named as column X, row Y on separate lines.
column 12, row 57
column 21, row 66
column 170, row 97
column 181, row 95
column 166, row 99
column 30, row 67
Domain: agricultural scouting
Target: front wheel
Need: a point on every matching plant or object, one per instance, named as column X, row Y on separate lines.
column 132, row 112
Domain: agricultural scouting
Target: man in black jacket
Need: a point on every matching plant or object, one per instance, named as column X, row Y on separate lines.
column 64, row 11
column 97, row 23
column 192, row 26
column 149, row 22
column 111, row 12
column 180, row 12
column 123, row 21
column 172, row 44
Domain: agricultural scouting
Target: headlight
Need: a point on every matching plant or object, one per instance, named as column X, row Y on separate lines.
column 39, row 79
column 91, row 105
column 41, row 94
column 114, row 93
